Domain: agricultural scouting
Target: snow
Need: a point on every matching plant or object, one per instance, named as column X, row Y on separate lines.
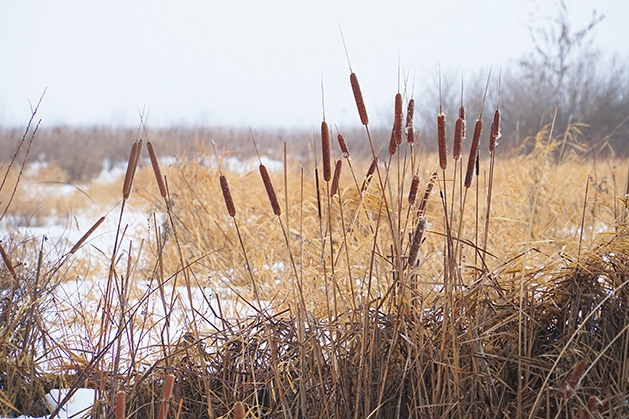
column 77, row 407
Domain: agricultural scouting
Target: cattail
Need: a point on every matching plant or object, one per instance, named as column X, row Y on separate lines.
column 239, row 410
column 441, row 132
column 166, row 393
column 325, row 151
column 458, row 138
column 358, row 97
column 7, row 262
column 397, row 124
column 412, row 193
column 494, row 132
column 227, row 196
column 270, row 191
column 134, row 157
column 337, row 176
column 120, row 404
column 158, row 173
column 372, row 168
column 471, row 163
column 575, row 378
column 417, row 240
column 344, row 148
column 427, row 192
column 462, row 112
column 410, row 112
column 592, row 405
column 87, row 235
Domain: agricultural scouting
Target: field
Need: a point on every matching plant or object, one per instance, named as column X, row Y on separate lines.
column 305, row 280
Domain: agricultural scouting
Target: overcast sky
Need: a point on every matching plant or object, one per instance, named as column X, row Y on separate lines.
column 253, row 63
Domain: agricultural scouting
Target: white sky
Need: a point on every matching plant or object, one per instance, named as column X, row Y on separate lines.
column 252, row 63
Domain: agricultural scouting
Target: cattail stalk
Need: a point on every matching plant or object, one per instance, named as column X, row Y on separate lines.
column 358, row 97
column 227, row 196
column 156, row 170
column 370, row 171
column 270, row 191
column 325, row 151
column 441, row 133
column 472, row 161
column 87, row 235
column 337, row 176
column 120, row 405
column 410, row 112
column 7, row 262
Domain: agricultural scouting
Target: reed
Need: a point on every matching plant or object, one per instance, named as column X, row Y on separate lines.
column 132, row 164
column 270, row 190
column 471, row 162
column 86, row 236
column 7, row 262
column 337, row 175
column 227, row 196
column 441, row 135
column 325, row 151
column 410, row 112
column 156, row 170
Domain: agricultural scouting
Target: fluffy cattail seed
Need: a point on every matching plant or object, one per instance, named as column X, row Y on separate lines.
column 417, row 240
column 358, row 97
column 412, row 193
column 427, row 192
column 410, row 112
column 270, row 191
column 441, row 132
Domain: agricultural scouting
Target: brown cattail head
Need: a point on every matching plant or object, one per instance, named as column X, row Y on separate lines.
column 337, row 175
column 397, row 124
column 494, row 132
column 593, row 404
column 227, row 196
column 120, row 405
column 87, row 235
column 417, row 241
column 239, row 410
column 427, row 192
column 270, row 191
column 462, row 112
column 410, row 112
column 471, row 162
column 344, row 148
column 575, row 378
column 325, row 151
column 372, row 168
column 441, row 132
column 168, row 387
column 458, row 138
column 158, row 173
column 358, row 97
column 7, row 262
column 132, row 164
column 412, row 193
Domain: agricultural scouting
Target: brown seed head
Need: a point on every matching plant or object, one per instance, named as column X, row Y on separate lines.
column 227, row 196
column 427, row 192
column 441, row 132
column 471, row 162
column 462, row 112
column 358, row 97
column 239, row 410
column 158, row 173
column 494, row 132
column 270, row 191
column 417, row 241
column 372, row 168
column 575, row 378
column 132, row 164
column 410, row 112
column 458, row 139
column 397, row 124
column 87, row 235
column 337, row 175
column 325, row 151
column 120, row 405
column 412, row 193
column 168, row 387
column 344, row 148
column 7, row 262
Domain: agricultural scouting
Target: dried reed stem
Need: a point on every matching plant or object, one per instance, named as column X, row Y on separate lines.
column 358, row 97
column 227, row 196
column 270, row 191
column 325, row 151
column 441, row 133
column 87, row 235
column 337, row 176
column 120, row 405
column 7, row 262
column 471, row 162
column 156, row 170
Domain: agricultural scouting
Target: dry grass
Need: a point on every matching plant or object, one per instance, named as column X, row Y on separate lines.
column 284, row 295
